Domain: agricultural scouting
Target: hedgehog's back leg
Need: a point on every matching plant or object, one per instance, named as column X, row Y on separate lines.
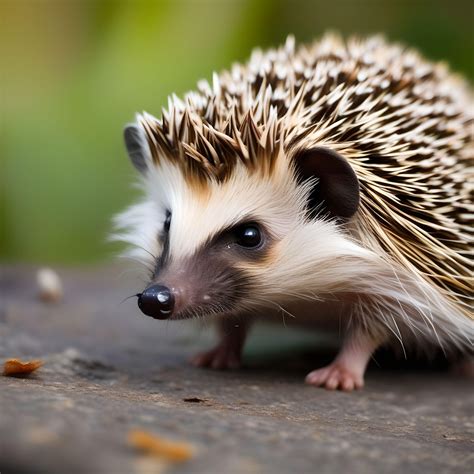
column 346, row 371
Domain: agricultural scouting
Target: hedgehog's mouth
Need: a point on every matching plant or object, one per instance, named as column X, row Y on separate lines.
column 206, row 311
column 225, row 297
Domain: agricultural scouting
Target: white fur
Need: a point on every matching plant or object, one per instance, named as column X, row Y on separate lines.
column 316, row 261
column 139, row 226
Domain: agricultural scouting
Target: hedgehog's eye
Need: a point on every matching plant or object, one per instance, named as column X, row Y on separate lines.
column 167, row 223
column 248, row 236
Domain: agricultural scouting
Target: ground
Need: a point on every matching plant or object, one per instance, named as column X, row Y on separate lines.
column 108, row 369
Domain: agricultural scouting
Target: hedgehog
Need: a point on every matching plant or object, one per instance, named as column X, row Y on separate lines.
column 328, row 185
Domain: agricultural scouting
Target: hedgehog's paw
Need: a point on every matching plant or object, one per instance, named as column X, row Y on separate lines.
column 222, row 357
column 336, row 376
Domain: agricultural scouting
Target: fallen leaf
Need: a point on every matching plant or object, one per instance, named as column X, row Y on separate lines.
column 13, row 367
column 160, row 447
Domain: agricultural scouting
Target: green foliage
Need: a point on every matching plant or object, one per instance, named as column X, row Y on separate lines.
column 74, row 73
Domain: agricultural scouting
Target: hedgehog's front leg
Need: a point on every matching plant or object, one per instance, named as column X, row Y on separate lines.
column 228, row 352
column 347, row 370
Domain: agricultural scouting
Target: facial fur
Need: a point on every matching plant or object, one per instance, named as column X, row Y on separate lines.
column 199, row 248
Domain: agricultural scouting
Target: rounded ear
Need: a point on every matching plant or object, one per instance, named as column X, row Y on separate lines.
column 137, row 147
column 337, row 187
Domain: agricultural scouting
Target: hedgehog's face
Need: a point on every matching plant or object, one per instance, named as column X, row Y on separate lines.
column 226, row 247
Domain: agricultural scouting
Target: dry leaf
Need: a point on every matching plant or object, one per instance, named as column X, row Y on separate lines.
column 18, row 367
column 159, row 447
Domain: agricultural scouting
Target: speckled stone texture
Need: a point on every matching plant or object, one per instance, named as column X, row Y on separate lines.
column 108, row 369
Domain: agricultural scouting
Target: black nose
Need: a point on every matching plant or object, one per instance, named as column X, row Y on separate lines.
column 157, row 301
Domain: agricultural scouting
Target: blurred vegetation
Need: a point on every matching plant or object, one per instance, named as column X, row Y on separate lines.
column 74, row 72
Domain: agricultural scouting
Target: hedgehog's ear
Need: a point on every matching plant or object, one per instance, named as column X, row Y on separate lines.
column 137, row 147
column 337, row 189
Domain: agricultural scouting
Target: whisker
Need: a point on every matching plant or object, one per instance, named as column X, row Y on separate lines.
column 136, row 295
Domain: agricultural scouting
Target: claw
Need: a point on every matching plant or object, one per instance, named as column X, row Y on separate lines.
column 336, row 376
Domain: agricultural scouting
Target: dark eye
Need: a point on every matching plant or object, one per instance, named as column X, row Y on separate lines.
column 167, row 223
column 249, row 236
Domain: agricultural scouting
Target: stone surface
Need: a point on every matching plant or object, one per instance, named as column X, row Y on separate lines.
column 109, row 370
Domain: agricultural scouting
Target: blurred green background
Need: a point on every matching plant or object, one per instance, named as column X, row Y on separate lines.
column 74, row 72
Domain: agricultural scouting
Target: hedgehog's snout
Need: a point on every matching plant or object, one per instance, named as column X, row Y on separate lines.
column 157, row 301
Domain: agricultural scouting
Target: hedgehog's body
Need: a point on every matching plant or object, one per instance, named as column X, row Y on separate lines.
column 348, row 166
